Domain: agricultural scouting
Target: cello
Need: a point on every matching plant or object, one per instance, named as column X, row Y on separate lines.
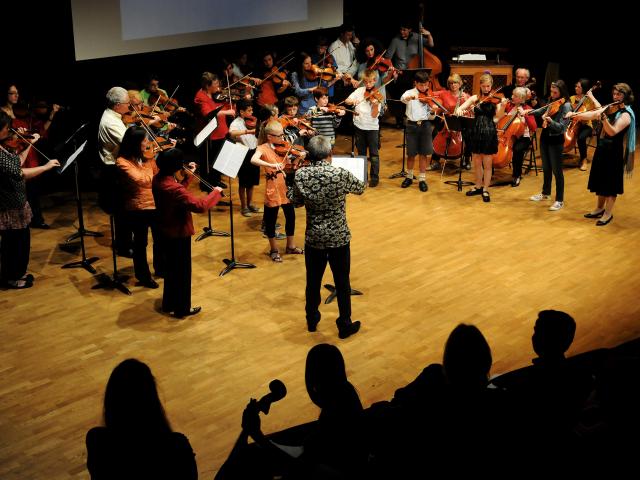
column 509, row 128
column 571, row 134
column 426, row 59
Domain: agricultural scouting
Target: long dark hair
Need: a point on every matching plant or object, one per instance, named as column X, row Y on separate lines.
column 131, row 402
column 131, row 142
column 562, row 88
column 325, row 372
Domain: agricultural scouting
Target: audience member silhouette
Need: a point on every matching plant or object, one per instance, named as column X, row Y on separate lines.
column 136, row 440
column 331, row 448
column 553, row 390
column 446, row 419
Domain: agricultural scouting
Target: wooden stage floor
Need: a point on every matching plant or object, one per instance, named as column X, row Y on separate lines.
column 425, row 263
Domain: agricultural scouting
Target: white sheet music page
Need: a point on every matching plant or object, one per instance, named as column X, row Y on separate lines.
column 356, row 165
column 73, row 156
column 230, row 158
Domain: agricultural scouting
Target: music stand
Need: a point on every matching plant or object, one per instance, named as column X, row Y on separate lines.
column 81, row 230
column 358, row 167
column 116, row 281
column 201, row 137
column 457, row 124
column 403, row 172
column 228, row 162
column 85, row 262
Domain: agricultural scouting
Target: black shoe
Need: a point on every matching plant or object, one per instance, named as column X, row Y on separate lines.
column 601, row 223
column 40, row 225
column 374, row 182
column 192, row 311
column 422, row 185
column 485, row 197
column 128, row 253
column 17, row 284
column 474, row 191
column 516, row 181
column 347, row 330
column 313, row 323
column 406, row 182
column 28, row 278
column 467, row 165
column 223, row 203
column 434, row 166
column 151, row 283
column 594, row 215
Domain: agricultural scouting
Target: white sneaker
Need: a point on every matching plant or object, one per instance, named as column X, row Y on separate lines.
column 538, row 197
column 556, row 206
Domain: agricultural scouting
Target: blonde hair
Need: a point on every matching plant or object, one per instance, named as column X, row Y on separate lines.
column 134, row 94
column 272, row 127
column 370, row 75
column 486, row 78
column 454, row 78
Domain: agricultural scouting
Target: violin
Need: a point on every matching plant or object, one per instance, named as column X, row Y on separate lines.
column 224, row 97
column 373, row 94
column 294, row 155
column 380, row 64
column 18, row 143
column 287, row 121
column 276, row 75
column 495, row 97
column 326, row 74
column 550, row 109
column 613, row 108
column 251, row 122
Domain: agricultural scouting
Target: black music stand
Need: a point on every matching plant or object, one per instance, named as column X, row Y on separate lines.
column 85, row 262
column 456, row 123
column 226, row 156
column 203, row 137
column 72, row 140
column 117, row 280
column 403, row 172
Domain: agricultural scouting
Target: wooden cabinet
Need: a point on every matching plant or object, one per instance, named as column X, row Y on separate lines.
column 470, row 73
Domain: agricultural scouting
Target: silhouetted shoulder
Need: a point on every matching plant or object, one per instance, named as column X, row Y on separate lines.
column 123, row 456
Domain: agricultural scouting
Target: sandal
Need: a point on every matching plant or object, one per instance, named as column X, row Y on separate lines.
column 295, row 250
column 275, row 256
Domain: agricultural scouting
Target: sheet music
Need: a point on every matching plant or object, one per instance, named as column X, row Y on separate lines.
column 356, row 165
column 230, row 158
column 73, row 156
column 205, row 132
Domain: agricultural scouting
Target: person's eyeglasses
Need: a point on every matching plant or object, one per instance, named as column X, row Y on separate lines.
column 12, row 93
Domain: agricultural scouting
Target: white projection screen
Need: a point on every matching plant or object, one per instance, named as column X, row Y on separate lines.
column 110, row 28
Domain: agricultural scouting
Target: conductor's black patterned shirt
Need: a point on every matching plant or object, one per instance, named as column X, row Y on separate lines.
column 322, row 189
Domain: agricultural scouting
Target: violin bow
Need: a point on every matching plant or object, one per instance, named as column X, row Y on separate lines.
column 170, row 97
column 145, row 126
column 229, row 91
column 277, row 70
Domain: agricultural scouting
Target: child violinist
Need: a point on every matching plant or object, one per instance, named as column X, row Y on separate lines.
column 554, row 124
column 249, row 174
column 275, row 193
column 323, row 121
column 294, row 130
column 419, row 130
column 368, row 107
column 483, row 138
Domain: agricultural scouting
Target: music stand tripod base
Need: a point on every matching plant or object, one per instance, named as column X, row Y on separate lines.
column 86, row 233
column 105, row 281
column 231, row 264
column 332, row 296
column 85, row 263
column 210, row 232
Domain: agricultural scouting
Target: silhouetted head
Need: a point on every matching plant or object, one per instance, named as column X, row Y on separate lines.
column 467, row 358
column 553, row 333
column 131, row 402
column 170, row 161
column 325, row 372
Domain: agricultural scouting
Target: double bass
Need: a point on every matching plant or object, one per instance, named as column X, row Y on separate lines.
column 426, row 59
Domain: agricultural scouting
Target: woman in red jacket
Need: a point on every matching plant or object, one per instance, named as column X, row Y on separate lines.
column 174, row 204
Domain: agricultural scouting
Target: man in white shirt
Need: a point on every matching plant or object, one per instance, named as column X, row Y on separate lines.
column 344, row 53
column 111, row 128
column 110, row 133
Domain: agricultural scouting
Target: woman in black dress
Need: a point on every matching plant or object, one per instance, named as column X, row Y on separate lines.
column 483, row 137
column 612, row 158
